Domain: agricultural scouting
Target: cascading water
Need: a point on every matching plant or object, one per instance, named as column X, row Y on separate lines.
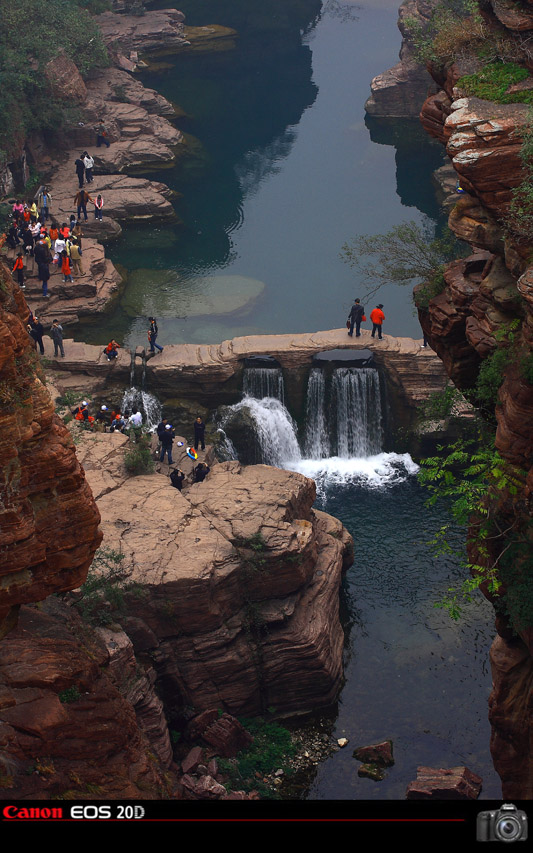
column 357, row 396
column 137, row 398
column 317, row 443
column 260, row 382
column 354, row 429
column 343, row 432
column 274, row 430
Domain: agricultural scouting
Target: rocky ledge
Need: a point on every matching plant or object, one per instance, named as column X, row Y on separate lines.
column 232, row 586
column 401, row 90
column 213, row 372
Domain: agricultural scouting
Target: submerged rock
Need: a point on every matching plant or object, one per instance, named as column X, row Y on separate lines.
column 162, row 291
column 377, row 753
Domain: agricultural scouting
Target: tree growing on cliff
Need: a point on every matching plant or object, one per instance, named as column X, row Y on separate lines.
column 407, row 253
column 33, row 32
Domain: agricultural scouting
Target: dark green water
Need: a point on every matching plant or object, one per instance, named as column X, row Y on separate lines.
column 285, row 170
column 413, row 675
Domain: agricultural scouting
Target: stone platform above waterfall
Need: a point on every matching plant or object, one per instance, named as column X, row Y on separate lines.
column 213, row 372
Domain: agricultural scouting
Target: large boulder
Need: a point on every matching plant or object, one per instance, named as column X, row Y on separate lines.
column 235, row 587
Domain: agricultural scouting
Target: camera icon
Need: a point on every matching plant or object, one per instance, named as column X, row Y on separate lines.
column 506, row 824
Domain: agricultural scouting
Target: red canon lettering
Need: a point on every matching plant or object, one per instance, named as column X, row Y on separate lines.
column 45, row 813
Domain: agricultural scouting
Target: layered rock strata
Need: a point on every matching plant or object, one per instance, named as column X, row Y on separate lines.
column 236, row 584
column 68, row 727
column 400, row 91
column 48, row 519
column 487, row 300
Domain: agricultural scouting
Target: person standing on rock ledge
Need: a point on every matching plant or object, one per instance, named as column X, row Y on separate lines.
column 80, row 199
column 80, row 169
column 152, row 335
column 357, row 314
column 57, row 336
column 377, row 316
column 167, row 437
column 199, row 433
column 101, row 134
column 89, row 166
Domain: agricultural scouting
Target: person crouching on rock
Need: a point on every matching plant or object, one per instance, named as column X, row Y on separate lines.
column 102, row 418
column 200, row 472
column 118, row 423
column 111, row 350
column 82, row 414
column 176, row 478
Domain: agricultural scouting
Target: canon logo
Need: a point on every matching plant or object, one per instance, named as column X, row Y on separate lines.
column 14, row 812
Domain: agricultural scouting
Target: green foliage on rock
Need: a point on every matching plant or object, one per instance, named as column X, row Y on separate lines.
column 493, row 81
column 271, row 748
column 439, row 405
column 71, row 694
column 138, row 459
column 32, row 33
column 484, row 493
column 453, row 26
column 519, row 222
column 103, row 590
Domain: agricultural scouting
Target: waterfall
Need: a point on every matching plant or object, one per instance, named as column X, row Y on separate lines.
column 226, row 449
column 357, row 396
column 343, row 430
column 317, row 443
column 137, row 398
column 260, row 382
column 273, row 427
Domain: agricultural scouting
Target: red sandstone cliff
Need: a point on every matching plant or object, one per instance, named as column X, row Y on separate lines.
column 48, row 519
column 484, row 294
column 68, row 726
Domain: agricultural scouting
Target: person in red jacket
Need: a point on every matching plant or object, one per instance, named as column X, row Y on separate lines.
column 377, row 316
column 19, row 270
column 65, row 266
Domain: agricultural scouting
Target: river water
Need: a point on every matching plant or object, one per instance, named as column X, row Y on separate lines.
column 412, row 674
column 285, row 170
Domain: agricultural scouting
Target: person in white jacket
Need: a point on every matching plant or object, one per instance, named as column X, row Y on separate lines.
column 89, row 166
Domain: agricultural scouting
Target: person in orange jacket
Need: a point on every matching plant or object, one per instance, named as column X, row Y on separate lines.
column 377, row 316
column 19, row 270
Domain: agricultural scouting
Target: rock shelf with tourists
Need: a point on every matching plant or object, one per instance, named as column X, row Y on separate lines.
column 218, row 506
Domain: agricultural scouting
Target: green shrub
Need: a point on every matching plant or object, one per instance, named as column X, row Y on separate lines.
column 271, row 747
column 105, row 584
column 440, row 404
column 26, row 97
column 71, row 694
column 138, row 460
column 425, row 292
column 492, row 82
column 490, row 378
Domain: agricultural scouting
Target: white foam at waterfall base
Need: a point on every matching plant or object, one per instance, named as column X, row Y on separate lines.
column 382, row 469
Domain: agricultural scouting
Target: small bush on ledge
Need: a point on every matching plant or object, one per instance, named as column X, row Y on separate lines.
column 493, row 81
column 138, row 460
